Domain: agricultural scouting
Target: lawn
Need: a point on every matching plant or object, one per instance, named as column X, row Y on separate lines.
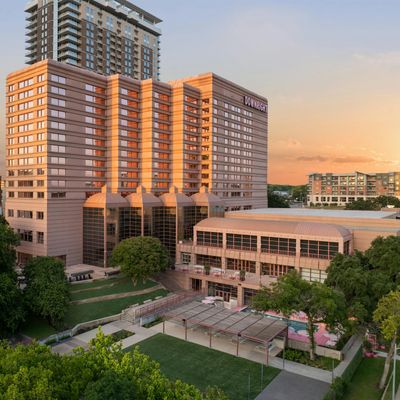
column 364, row 384
column 106, row 287
column 204, row 367
column 77, row 313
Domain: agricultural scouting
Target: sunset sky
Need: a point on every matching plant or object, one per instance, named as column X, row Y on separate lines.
column 330, row 69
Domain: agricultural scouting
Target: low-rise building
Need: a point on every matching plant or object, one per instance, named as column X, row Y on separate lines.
column 268, row 243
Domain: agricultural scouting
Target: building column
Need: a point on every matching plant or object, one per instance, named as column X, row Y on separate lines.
column 240, row 298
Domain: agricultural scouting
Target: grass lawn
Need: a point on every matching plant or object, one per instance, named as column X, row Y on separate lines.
column 107, row 287
column 37, row 328
column 204, row 367
column 364, row 384
column 77, row 313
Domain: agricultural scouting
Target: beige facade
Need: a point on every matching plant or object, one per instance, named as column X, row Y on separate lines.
column 268, row 243
column 108, row 37
column 340, row 189
column 71, row 131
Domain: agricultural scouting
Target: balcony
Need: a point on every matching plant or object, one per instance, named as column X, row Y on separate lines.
column 227, row 276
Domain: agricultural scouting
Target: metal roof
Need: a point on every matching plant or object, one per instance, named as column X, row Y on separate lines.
column 246, row 325
column 315, row 212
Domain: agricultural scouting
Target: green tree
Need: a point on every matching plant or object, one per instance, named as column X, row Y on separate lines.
column 387, row 316
column 351, row 276
column 361, row 204
column 299, row 193
column 292, row 294
column 385, row 201
column 12, row 311
column 8, row 241
column 277, row 201
column 140, row 257
column 47, row 289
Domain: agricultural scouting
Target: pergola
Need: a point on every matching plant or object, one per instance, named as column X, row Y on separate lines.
column 256, row 328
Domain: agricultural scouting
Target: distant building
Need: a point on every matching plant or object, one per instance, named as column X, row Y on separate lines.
column 105, row 36
column 340, row 189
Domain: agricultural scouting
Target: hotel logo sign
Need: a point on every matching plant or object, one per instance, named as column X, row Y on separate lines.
column 253, row 103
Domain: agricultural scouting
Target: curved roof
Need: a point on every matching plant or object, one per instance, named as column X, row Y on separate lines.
column 314, row 229
column 205, row 198
column 175, row 199
column 142, row 199
column 106, row 199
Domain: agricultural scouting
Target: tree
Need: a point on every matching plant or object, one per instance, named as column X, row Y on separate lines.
column 361, row 204
column 350, row 275
column 292, row 294
column 387, row 316
column 376, row 203
column 47, row 289
column 103, row 371
column 277, row 201
column 12, row 311
column 8, row 241
column 140, row 257
column 299, row 193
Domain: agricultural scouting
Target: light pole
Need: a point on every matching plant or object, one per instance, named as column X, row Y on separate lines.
column 394, row 372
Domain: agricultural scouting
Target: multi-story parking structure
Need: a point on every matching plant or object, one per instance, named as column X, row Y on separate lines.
column 105, row 36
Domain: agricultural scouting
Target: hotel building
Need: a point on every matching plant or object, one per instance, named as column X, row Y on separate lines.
column 340, row 189
column 72, row 132
column 268, row 243
column 105, row 36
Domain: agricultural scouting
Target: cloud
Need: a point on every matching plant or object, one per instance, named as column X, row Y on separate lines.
column 312, row 158
column 391, row 58
column 353, row 159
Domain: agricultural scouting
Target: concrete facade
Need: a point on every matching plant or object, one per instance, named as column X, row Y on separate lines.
column 72, row 131
column 268, row 243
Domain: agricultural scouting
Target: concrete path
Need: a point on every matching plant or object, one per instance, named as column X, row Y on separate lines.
column 83, row 339
column 288, row 386
column 117, row 295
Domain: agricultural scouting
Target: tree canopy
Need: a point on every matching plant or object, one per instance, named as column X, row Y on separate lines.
column 374, row 203
column 292, row 294
column 387, row 316
column 277, row 201
column 47, row 290
column 103, row 371
column 140, row 257
column 8, row 241
column 364, row 278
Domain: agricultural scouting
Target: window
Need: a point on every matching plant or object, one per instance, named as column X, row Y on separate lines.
column 316, row 249
column 24, row 214
column 241, row 242
column 39, row 215
column 58, row 79
column 275, row 269
column 40, row 237
column 25, row 235
column 277, row 245
column 10, row 213
column 213, row 239
column 57, row 90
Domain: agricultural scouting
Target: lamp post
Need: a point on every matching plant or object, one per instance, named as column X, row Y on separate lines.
column 394, row 372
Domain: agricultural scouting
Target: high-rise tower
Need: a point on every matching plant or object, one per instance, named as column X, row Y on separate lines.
column 104, row 36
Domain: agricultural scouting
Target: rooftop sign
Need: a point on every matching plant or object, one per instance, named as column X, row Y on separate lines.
column 253, row 103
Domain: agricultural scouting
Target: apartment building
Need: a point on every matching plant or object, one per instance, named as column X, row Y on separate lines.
column 71, row 131
column 340, row 189
column 268, row 243
column 105, row 36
